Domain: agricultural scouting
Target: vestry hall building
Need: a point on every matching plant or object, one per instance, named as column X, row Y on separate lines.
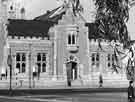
column 50, row 49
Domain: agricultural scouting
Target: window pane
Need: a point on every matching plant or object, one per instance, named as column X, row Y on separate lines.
column 17, row 57
column 23, row 67
column 97, row 57
column 109, row 64
column 38, row 57
column 108, row 57
column 73, row 39
column 23, row 57
column 44, row 67
column 93, row 57
column 39, row 67
column 44, row 57
column 69, row 39
column 18, row 66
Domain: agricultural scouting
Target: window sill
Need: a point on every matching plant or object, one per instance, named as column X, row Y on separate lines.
column 72, row 47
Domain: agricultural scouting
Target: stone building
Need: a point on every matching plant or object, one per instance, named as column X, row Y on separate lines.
column 55, row 47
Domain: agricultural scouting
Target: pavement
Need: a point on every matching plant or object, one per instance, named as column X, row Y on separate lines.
column 21, row 92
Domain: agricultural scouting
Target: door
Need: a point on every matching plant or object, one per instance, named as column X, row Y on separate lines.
column 72, row 71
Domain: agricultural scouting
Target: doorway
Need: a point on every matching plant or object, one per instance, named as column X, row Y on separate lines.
column 72, row 71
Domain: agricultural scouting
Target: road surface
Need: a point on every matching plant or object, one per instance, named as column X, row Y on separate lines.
column 78, row 97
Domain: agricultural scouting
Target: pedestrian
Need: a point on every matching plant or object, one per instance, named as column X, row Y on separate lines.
column 130, row 92
column 100, row 81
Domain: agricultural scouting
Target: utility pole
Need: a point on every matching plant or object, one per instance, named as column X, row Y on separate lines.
column 30, row 66
column 9, row 62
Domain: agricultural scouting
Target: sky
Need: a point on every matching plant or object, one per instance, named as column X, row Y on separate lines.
column 36, row 8
column 131, row 23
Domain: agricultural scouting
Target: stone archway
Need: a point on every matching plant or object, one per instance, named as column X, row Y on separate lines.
column 72, row 70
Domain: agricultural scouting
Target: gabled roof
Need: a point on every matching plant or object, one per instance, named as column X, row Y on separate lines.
column 53, row 15
column 30, row 28
column 37, row 27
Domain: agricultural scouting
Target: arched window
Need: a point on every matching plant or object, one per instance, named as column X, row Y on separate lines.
column 21, row 62
column 110, row 60
column 23, row 57
column 72, row 38
column 95, row 61
column 41, row 62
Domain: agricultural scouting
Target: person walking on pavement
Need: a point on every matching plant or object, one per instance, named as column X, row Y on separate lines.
column 100, row 81
column 130, row 92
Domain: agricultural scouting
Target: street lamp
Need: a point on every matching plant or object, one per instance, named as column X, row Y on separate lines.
column 9, row 62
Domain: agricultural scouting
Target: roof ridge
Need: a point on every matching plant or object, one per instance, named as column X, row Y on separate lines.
column 47, row 14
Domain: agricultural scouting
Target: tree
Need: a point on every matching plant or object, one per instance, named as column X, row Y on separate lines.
column 111, row 18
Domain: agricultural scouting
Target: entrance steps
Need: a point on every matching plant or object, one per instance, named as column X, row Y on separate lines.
column 77, row 83
column 40, row 84
column 4, row 84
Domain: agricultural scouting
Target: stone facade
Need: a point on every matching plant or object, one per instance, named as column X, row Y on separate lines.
column 39, row 62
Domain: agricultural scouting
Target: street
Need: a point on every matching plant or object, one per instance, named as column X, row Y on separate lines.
column 78, row 97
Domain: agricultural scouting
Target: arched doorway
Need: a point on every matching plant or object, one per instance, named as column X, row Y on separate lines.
column 72, row 70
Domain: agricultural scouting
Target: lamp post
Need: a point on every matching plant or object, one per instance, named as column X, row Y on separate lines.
column 9, row 62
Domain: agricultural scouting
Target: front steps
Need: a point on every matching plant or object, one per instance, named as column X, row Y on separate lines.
column 109, row 81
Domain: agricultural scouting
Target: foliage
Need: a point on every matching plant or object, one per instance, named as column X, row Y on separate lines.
column 77, row 7
column 111, row 18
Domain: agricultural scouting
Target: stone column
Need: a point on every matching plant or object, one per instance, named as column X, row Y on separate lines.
column 5, row 58
column 55, row 57
column 64, row 71
column 30, row 65
column 81, row 70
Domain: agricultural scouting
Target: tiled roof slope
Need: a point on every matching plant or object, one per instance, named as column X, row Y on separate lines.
column 53, row 15
column 28, row 28
column 37, row 27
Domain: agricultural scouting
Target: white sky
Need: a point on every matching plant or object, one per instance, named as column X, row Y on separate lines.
column 38, row 7
column 131, row 23
column 35, row 8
